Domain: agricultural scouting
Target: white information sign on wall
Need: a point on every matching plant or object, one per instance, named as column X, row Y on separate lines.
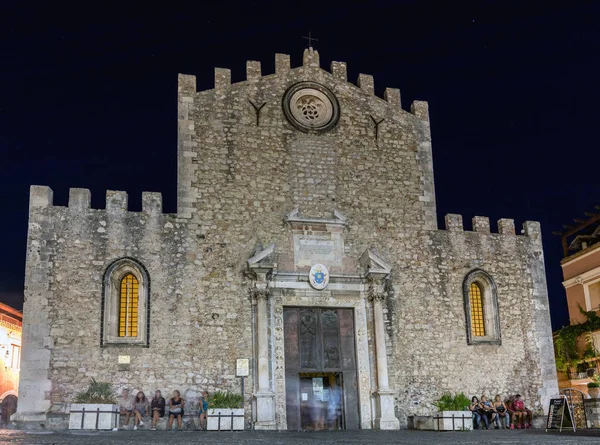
column 242, row 368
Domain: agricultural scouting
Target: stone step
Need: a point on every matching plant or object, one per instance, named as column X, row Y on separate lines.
column 189, row 423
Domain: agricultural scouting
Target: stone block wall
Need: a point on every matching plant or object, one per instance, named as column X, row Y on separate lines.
column 428, row 350
column 194, row 338
column 592, row 413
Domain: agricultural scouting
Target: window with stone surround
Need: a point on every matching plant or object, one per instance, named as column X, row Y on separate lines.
column 592, row 295
column 125, row 303
column 481, row 308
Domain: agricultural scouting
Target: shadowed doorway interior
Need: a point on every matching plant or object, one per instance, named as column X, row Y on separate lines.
column 320, row 369
column 321, row 401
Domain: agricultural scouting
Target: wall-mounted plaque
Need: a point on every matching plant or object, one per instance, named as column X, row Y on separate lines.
column 242, row 368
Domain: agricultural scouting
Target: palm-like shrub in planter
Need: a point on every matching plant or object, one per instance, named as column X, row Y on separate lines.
column 448, row 402
column 97, row 392
column 225, row 400
column 98, row 403
column 453, row 405
column 225, row 404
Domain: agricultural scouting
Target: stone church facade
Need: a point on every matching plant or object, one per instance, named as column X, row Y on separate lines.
column 306, row 241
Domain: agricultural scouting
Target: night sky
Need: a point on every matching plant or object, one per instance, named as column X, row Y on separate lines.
column 88, row 98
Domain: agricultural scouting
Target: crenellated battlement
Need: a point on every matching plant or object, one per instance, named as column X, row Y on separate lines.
column 80, row 200
column 481, row 224
column 310, row 59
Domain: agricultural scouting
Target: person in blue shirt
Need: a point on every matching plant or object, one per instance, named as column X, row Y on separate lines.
column 479, row 416
column 203, row 410
column 488, row 410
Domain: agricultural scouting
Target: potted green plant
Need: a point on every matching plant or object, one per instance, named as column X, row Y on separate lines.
column 97, row 401
column 225, row 404
column 450, row 406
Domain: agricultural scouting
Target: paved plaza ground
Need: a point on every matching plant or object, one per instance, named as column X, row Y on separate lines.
column 8, row 437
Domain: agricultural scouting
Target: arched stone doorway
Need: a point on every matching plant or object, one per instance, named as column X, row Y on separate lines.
column 9, row 407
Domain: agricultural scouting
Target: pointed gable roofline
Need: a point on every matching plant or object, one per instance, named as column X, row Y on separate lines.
column 373, row 263
column 261, row 256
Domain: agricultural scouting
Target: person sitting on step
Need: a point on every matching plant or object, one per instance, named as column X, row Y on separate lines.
column 488, row 410
column 475, row 408
column 125, row 407
column 141, row 409
column 521, row 414
column 502, row 416
column 158, row 408
column 176, row 405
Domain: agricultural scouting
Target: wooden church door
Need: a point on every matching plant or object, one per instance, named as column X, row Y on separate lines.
column 320, row 369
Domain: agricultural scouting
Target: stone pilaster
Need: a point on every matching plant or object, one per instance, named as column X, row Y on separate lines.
column 35, row 385
column 265, row 408
column 260, row 297
column 385, row 403
column 261, row 266
column 540, row 316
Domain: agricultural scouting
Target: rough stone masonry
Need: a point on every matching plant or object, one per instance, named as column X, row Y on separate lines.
column 275, row 174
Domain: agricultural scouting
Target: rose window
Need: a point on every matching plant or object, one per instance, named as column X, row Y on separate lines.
column 310, row 106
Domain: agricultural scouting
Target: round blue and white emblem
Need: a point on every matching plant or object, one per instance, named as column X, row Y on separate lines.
column 318, row 276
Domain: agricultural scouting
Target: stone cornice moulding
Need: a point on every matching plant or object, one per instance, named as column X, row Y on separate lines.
column 582, row 278
column 11, row 326
column 294, row 217
column 579, row 255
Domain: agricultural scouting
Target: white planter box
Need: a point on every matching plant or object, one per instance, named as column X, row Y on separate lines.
column 445, row 424
column 213, row 419
column 106, row 421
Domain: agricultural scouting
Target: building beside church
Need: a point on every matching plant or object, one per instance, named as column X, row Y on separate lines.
column 305, row 240
column 579, row 361
column 10, row 360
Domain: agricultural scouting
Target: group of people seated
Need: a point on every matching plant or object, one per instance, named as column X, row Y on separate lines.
column 140, row 408
column 506, row 414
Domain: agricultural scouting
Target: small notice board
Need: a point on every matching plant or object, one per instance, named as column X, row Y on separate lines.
column 559, row 415
column 242, row 367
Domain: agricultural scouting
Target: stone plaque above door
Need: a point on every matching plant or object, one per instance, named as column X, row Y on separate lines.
column 317, row 241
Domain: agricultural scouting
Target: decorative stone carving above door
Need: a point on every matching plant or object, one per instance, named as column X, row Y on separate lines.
column 317, row 241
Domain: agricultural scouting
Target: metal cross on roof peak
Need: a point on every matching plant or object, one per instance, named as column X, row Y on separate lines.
column 310, row 39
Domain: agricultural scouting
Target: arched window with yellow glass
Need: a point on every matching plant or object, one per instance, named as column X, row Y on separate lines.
column 476, row 301
column 129, row 306
column 125, row 303
column 481, row 308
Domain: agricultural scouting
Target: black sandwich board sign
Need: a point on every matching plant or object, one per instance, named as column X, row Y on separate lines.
column 560, row 415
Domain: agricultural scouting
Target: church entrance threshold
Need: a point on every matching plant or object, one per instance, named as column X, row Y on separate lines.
column 320, row 369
